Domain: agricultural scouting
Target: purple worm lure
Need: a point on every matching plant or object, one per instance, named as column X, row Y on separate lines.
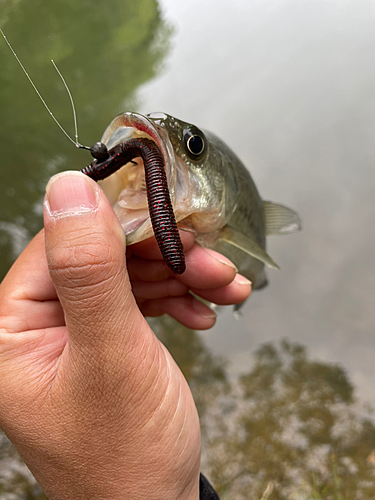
column 159, row 202
column 107, row 162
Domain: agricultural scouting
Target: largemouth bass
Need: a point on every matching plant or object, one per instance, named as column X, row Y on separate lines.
column 211, row 191
column 192, row 177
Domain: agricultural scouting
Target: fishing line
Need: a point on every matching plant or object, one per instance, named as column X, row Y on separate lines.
column 71, row 102
column 76, row 143
column 104, row 164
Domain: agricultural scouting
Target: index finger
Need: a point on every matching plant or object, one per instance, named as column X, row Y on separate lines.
column 28, row 299
column 148, row 249
column 29, row 277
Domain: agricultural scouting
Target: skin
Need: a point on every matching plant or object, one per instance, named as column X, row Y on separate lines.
column 92, row 400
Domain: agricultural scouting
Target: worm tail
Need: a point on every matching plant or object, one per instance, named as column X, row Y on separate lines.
column 161, row 211
column 159, row 202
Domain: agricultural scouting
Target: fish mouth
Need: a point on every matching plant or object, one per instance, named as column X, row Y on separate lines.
column 126, row 188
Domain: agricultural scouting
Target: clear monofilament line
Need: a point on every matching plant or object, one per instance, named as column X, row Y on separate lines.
column 41, row 98
column 71, row 102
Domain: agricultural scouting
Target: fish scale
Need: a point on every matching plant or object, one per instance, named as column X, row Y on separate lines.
column 212, row 191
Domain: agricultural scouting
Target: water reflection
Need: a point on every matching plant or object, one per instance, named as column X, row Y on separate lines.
column 105, row 51
column 290, row 87
column 289, row 426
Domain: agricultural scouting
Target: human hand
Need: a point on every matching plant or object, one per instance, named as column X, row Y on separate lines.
column 92, row 400
column 208, row 274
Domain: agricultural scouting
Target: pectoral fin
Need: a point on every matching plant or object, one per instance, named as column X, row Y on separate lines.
column 247, row 245
column 280, row 219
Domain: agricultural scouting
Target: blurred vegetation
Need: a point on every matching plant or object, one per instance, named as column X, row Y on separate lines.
column 16, row 482
column 294, row 424
column 289, row 429
column 105, row 52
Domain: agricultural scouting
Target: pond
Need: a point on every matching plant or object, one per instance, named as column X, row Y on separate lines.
column 285, row 392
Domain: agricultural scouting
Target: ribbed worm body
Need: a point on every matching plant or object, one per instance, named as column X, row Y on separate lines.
column 159, row 202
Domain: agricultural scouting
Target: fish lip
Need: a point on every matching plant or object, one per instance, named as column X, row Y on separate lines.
column 131, row 120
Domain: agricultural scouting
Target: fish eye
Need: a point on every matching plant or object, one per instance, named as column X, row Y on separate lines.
column 195, row 143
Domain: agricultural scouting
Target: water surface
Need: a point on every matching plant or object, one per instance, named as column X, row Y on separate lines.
column 289, row 85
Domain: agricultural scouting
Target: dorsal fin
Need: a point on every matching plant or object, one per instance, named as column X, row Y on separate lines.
column 280, row 219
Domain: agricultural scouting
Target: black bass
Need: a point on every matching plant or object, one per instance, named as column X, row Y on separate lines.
column 211, row 191
column 181, row 176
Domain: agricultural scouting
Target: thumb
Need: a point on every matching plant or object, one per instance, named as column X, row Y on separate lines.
column 85, row 248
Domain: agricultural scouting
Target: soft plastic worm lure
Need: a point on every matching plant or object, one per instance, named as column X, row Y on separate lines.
column 106, row 163
column 159, row 202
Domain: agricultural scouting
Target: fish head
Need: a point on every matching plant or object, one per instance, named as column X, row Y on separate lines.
column 197, row 176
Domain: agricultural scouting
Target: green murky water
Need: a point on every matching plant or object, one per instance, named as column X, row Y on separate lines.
column 105, row 52
column 290, row 86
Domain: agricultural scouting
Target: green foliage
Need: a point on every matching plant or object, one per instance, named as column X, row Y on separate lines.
column 105, row 50
column 294, row 424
